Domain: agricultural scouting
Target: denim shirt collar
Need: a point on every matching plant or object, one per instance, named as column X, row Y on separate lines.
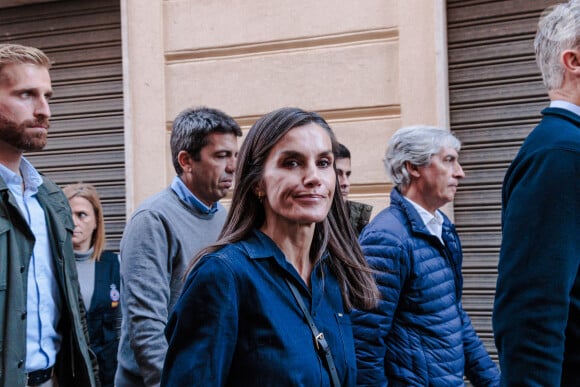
column 260, row 246
column 265, row 246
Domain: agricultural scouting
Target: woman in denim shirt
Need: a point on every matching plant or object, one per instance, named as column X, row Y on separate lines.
column 237, row 323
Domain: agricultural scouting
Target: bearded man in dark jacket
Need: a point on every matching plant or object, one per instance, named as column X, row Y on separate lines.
column 43, row 339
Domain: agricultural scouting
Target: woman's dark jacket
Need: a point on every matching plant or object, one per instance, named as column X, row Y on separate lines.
column 104, row 316
column 419, row 335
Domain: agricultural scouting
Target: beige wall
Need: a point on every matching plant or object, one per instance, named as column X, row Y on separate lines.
column 368, row 68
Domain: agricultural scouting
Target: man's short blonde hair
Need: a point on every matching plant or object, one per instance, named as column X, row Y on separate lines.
column 19, row 54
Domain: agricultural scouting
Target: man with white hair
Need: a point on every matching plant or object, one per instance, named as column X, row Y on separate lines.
column 419, row 334
column 536, row 317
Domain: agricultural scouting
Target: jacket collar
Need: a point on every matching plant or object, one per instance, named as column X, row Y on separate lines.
column 417, row 224
column 58, row 215
column 563, row 113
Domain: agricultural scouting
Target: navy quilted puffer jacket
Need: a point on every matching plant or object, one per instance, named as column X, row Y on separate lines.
column 419, row 335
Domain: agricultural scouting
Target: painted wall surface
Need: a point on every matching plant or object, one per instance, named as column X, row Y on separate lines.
column 368, row 68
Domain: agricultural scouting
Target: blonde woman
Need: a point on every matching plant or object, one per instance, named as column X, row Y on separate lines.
column 98, row 272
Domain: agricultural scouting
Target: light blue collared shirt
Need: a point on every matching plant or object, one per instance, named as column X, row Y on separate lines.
column 178, row 186
column 566, row 105
column 43, row 304
column 434, row 223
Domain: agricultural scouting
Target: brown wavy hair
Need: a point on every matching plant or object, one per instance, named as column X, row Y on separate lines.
column 334, row 234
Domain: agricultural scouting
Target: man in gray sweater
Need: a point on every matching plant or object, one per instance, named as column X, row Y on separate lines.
column 164, row 234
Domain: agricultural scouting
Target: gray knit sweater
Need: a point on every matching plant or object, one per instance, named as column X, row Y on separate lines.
column 158, row 243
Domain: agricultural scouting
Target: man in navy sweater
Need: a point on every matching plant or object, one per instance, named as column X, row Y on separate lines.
column 536, row 317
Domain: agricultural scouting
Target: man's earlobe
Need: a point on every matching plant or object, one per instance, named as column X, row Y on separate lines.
column 184, row 159
column 412, row 169
column 571, row 61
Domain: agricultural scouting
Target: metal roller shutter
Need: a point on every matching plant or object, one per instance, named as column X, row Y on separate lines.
column 86, row 141
column 496, row 95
